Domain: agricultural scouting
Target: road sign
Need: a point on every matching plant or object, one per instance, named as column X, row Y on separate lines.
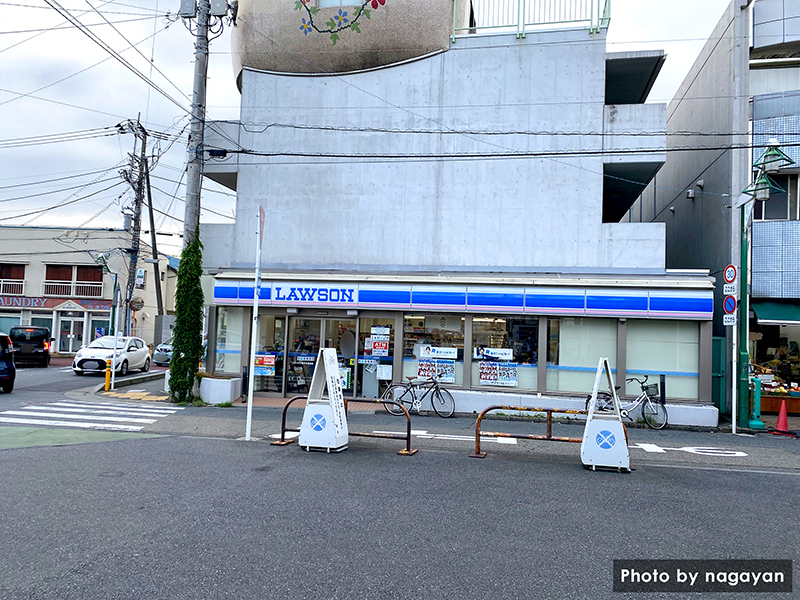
column 730, row 289
column 729, row 319
column 729, row 274
column 729, row 304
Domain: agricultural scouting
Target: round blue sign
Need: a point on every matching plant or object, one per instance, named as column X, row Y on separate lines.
column 606, row 440
column 317, row 422
column 729, row 304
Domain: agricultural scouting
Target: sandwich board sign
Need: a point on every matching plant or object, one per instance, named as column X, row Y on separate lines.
column 605, row 441
column 324, row 424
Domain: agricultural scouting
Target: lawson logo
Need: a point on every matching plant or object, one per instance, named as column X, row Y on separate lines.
column 314, row 294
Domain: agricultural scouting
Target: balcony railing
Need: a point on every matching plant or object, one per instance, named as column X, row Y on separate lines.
column 76, row 289
column 12, row 287
column 525, row 16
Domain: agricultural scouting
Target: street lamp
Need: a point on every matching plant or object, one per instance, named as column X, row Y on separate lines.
column 769, row 162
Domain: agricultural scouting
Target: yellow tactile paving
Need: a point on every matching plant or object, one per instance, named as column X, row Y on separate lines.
column 140, row 396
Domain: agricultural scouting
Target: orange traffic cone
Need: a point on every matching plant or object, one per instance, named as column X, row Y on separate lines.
column 782, row 428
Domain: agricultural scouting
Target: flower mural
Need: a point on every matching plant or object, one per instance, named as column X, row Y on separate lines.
column 339, row 21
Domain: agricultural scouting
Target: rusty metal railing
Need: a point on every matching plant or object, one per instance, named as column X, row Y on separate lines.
column 498, row 434
column 407, row 451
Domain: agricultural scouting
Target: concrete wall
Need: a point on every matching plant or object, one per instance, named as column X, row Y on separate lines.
column 365, row 209
column 713, row 98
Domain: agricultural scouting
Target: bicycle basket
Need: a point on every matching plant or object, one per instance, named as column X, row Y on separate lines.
column 653, row 390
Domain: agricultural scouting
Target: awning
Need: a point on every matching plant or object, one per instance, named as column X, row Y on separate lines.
column 776, row 312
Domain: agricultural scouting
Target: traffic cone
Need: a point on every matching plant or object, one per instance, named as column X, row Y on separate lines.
column 782, row 428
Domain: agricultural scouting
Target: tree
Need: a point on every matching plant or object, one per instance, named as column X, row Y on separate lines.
column 187, row 344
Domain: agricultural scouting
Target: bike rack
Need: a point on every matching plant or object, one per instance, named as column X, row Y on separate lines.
column 548, row 436
column 407, row 451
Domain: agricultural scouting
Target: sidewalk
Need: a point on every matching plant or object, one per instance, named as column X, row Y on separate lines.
column 150, row 388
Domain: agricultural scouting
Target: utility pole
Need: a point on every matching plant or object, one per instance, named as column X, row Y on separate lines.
column 136, row 228
column 195, row 149
column 156, row 269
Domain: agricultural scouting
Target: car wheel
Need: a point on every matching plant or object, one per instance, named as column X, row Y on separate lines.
column 7, row 387
column 146, row 366
column 123, row 368
column 78, row 372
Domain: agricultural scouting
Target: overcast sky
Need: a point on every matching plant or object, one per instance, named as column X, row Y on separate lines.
column 55, row 80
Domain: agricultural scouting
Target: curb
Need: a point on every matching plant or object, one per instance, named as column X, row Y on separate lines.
column 129, row 381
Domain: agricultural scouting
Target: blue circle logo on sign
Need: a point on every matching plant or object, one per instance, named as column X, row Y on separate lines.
column 606, row 440
column 317, row 422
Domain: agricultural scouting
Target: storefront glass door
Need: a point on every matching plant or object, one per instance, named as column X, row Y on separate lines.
column 341, row 334
column 304, row 343
column 70, row 335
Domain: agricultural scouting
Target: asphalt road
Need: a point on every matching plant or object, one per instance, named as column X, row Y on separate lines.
column 187, row 511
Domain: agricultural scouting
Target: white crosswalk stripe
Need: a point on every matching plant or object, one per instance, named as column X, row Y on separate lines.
column 80, row 414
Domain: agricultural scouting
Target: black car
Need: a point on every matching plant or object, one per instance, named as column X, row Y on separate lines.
column 8, row 372
column 31, row 344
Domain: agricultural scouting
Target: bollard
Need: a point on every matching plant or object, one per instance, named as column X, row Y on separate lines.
column 108, row 374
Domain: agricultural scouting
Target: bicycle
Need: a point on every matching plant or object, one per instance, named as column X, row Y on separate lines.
column 406, row 393
column 654, row 410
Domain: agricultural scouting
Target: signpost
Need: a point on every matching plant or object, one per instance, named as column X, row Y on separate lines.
column 254, row 336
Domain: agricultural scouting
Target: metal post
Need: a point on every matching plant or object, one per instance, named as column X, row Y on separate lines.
column 194, row 170
column 254, row 331
column 156, row 269
column 744, row 357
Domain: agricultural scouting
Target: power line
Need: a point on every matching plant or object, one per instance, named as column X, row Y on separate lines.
column 74, row 187
column 66, row 14
column 41, row 181
column 62, row 204
column 59, row 27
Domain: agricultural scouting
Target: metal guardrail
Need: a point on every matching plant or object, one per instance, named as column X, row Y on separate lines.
column 407, row 451
column 524, row 16
column 12, row 287
column 548, row 436
column 78, row 289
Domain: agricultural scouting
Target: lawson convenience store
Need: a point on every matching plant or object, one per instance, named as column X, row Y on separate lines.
column 489, row 335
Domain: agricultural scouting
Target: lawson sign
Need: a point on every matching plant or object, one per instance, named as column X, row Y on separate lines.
column 540, row 300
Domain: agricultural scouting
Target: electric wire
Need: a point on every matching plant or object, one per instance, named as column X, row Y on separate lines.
column 62, row 204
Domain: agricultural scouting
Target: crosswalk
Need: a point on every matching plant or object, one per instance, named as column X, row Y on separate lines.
column 89, row 415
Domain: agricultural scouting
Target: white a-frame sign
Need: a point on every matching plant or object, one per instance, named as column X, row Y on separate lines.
column 324, row 424
column 605, row 441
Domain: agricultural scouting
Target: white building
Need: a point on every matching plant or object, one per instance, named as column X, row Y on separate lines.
column 51, row 277
column 445, row 197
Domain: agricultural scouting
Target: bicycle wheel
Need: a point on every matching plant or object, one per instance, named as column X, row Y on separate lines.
column 655, row 414
column 443, row 403
column 604, row 401
column 399, row 393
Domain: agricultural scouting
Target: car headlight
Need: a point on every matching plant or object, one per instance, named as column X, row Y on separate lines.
column 79, row 354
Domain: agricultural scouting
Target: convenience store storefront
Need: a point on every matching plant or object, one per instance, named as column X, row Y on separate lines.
column 524, row 336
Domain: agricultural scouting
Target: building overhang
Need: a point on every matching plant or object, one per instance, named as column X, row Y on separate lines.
column 630, row 75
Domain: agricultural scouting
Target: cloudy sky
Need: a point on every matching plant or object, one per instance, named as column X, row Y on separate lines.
column 61, row 96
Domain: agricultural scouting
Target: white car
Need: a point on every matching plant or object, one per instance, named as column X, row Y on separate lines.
column 132, row 353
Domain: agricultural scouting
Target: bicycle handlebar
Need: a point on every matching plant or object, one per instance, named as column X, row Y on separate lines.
column 639, row 381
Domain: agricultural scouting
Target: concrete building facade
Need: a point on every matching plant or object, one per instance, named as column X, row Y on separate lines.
column 455, row 213
column 742, row 90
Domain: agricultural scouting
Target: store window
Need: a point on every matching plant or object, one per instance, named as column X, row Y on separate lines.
column 268, row 370
column 505, row 351
column 375, row 356
column 433, row 346
column 782, row 205
column 574, row 348
column 43, row 322
column 671, row 348
column 230, row 325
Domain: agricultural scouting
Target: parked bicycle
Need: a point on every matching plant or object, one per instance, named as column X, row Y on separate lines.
column 414, row 391
column 654, row 411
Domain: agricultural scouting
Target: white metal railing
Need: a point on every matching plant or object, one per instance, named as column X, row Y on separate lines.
column 524, row 16
column 77, row 289
column 13, row 287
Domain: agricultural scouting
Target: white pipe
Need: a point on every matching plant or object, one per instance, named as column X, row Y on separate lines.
column 254, row 333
